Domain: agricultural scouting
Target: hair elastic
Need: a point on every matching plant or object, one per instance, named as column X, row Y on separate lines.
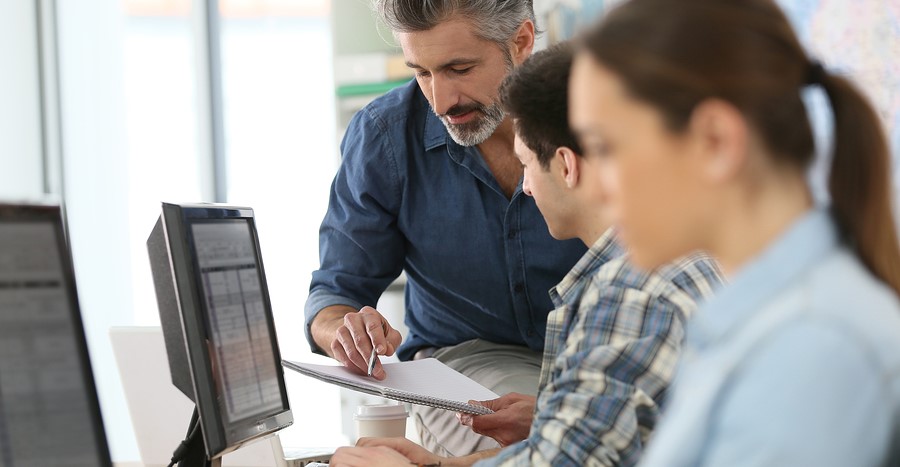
column 815, row 73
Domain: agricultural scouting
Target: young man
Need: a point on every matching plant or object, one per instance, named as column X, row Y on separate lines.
column 616, row 333
column 428, row 184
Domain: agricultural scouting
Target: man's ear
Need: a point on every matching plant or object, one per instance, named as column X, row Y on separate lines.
column 570, row 165
column 523, row 42
column 719, row 134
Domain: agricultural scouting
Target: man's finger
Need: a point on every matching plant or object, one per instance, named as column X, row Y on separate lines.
column 376, row 329
column 349, row 346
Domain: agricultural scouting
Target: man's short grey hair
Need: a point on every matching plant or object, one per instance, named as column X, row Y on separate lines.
column 493, row 20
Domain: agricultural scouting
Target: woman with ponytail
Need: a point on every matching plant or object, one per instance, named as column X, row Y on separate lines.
column 695, row 107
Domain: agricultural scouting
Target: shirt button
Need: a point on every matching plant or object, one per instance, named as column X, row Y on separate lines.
column 519, row 288
column 531, row 333
column 511, row 235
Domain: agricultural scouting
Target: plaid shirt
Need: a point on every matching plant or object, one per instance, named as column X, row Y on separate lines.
column 611, row 351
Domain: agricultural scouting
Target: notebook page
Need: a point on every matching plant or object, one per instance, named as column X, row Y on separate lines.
column 428, row 378
column 432, row 378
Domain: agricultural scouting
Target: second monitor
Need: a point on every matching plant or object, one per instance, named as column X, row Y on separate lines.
column 217, row 322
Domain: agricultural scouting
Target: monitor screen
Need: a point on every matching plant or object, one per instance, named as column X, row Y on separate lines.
column 49, row 413
column 245, row 368
column 217, row 322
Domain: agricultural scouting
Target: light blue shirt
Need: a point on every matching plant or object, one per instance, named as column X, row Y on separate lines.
column 797, row 362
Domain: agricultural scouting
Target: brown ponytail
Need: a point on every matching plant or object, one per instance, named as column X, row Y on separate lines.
column 860, row 181
column 675, row 54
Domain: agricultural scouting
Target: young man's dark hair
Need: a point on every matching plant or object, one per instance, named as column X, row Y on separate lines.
column 534, row 96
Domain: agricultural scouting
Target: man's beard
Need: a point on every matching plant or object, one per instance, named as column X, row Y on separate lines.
column 477, row 130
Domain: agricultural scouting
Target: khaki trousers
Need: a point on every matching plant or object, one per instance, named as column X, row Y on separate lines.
column 498, row 367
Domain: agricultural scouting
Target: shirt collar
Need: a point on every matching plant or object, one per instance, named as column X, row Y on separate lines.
column 807, row 240
column 435, row 131
column 604, row 249
column 436, row 135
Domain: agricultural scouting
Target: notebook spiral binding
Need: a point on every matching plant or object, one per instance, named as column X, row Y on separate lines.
column 403, row 396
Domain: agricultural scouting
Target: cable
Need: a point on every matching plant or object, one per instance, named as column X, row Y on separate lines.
column 193, row 426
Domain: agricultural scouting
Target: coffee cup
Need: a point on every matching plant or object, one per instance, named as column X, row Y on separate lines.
column 381, row 420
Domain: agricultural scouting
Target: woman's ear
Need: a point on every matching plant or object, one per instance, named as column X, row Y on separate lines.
column 719, row 134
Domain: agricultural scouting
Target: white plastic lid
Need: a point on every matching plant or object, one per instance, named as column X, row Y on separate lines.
column 380, row 412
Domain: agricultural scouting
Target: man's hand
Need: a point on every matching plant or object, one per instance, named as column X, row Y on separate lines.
column 510, row 422
column 348, row 336
column 384, row 452
column 378, row 456
column 410, row 451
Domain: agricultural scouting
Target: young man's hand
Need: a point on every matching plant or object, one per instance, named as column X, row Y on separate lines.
column 510, row 422
column 406, row 448
column 376, row 456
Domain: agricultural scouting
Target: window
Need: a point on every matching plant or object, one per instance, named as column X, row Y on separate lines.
column 133, row 113
column 281, row 154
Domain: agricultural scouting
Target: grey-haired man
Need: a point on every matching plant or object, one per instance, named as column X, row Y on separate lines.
column 429, row 184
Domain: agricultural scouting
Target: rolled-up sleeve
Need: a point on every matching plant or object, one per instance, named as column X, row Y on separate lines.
column 361, row 250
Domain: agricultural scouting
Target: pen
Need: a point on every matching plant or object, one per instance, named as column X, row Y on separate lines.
column 372, row 360
column 372, row 357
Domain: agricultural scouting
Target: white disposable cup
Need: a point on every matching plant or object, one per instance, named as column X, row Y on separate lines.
column 381, row 420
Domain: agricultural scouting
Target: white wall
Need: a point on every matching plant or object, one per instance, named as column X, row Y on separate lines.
column 21, row 160
column 96, row 172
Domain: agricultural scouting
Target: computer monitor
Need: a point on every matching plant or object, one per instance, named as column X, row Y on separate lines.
column 49, row 412
column 217, row 322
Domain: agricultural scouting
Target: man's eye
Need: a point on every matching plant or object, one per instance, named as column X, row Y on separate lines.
column 422, row 74
column 461, row 71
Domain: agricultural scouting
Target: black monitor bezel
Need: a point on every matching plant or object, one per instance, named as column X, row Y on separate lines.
column 177, row 220
column 53, row 213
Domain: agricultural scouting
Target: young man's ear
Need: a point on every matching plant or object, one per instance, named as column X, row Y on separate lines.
column 570, row 165
column 720, row 134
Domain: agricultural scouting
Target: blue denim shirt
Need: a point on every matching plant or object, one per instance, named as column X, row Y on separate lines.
column 407, row 197
column 797, row 362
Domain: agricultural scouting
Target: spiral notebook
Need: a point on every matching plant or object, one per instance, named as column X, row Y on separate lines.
column 424, row 382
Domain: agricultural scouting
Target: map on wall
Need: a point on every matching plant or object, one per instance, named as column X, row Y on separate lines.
column 858, row 38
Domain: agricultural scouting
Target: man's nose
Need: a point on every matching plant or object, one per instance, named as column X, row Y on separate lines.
column 443, row 94
column 526, row 186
